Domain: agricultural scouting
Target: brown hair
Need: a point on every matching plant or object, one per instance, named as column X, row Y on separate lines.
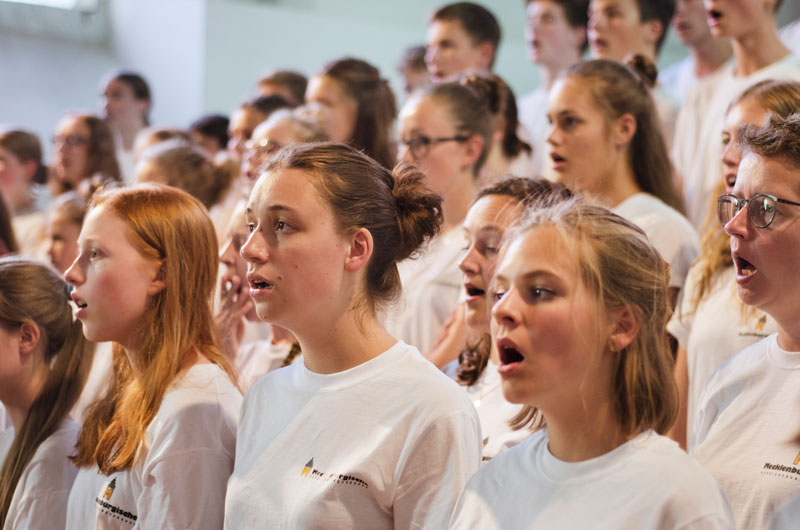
column 25, row 146
column 620, row 267
column 294, row 82
column 778, row 97
column 33, row 292
column 659, row 10
column 396, row 207
column 168, row 225
column 139, row 87
column 616, row 89
column 576, row 12
column 468, row 111
column 186, row 166
column 479, row 23
column 8, row 241
column 532, row 193
column 502, row 104
column 376, row 109
column 101, row 160
column 71, row 206
column 778, row 138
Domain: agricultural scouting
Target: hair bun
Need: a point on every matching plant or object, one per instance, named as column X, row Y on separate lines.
column 646, row 69
column 419, row 210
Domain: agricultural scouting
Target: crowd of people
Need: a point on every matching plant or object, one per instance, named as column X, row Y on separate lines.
column 575, row 309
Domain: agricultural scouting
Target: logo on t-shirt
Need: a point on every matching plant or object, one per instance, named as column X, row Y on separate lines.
column 309, row 471
column 758, row 329
column 114, row 511
column 780, row 470
column 110, row 489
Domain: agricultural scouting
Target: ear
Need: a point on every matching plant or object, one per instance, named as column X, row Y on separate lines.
column 625, row 326
column 473, row 147
column 652, row 31
column 624, row 129
column 144, row 107
column 159, row 280
column 361, row 247
column 486, row 53
column 29, row 336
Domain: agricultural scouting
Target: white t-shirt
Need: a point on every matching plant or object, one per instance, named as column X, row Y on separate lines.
column 678, row 79
column 698, row 140
column 98, row 380
column 5, row 421
column 787, row 516
column 790, row 35
column 179, row 477
column 387, row 444
column 431, row 290
column 667, row 110
column 746, row 430
column 31, row 232
column 40, row 498
column 646, row 483
column 668, row 231
column 258, row 358
column 712, row 334
column 127, row 165
column 532, row 112
column 494, row 413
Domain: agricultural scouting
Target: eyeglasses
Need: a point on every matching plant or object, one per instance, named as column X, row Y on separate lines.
column 420, row 146
column 70, row 139
column 263, row 146
column 761, row 208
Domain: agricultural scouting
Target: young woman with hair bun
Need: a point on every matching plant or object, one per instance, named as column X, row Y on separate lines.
column 579, row 315
column 44, row 363
column 364, row 433
column 157, row 448
column 606, row 141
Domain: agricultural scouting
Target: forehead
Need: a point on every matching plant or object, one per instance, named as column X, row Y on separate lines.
column 324, row 86
column 104, row 224
column 428, row 114
column 451, row 30
column 538, row 249
column 777, row 176
column 73, row 125
column 535, row 7
column 286, row 188
column 627, row 6
column 571, row 93
column 747, row 111
column 245, row 118
column 493, row 210
column 118, row 87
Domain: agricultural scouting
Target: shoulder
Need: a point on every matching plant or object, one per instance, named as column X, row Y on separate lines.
column 742, row 366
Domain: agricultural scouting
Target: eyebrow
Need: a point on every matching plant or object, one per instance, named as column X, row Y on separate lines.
column 273, row 208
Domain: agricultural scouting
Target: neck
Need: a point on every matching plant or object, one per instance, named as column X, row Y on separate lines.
column 551, row 70
column 789, row 335
column 709, row 55
column 351, row 340
column 18, row 200
column 127, row 134
column 575, row 437
column 281, row 335
column 457, row 200
column 18, row 401
column 495, row 166
column 758, row 50
column 620, row 184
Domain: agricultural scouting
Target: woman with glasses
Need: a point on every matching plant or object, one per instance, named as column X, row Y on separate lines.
column 711, row 323
column 748, row 418
column 606, row 141
column 446, row 131
column 85, row 154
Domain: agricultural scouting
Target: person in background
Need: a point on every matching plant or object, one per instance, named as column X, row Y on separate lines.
column 65, row 219
column 555, row 33
column 22, row 179
column 579, row 321
column 413, row 69
column 706, row 52
column 126, row 104
column 45, row 362
column 154, row 135
column 211, row 133
column 8, row 241
column 288, row 84
column 357, row 107
column 245, row 119
column 462, row 36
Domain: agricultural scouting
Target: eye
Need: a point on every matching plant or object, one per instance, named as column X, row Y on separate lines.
column 496, row 294
column 93, row 253
column 541, row 294
column 251, row 227
column 280, row 226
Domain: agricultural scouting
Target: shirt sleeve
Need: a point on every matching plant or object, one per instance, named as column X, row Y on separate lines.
column 436, row 471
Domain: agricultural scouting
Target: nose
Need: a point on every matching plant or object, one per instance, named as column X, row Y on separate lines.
column 732, row 154
column 254, row 249
column 431, row 54
column 504, row 310
column 553, row 137
column 404, row 153
column 739, row 226
column 227, row 255
column 468, row 263
column 74, row 274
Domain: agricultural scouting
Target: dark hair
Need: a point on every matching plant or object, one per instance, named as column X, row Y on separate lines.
column 501, row 102
column 531, row 193
column 576, row 12
column 31, row 291
column 413, row 58
column 778, row 138
column 396, row 207
column 8, row 241
column 469, row 112
column 294, row 82
column 214, row 126
column 26, row 146
column 478, row 22
column 376, row 109
column 140, row 88
column 266, row 105
column 617, row 89
column 660, row 10
column 101, row 160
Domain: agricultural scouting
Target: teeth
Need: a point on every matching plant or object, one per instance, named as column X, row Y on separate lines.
column 748, row 272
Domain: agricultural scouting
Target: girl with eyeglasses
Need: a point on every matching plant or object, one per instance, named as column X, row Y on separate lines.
column 606, row 141
column 581, row 302
column 710, row 323
column 85, row 154
column 364, row 433
column 747, row 417
column 446, row 130
column 22, row 176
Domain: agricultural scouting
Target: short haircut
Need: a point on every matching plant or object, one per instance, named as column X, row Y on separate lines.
column 779, row 138
column 575, row 11
column 660, row 10
column 478, row 22
column 294, row 82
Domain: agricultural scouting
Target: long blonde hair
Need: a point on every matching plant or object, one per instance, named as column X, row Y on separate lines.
column 620, row 267
column 169, row 225
column 33, row 292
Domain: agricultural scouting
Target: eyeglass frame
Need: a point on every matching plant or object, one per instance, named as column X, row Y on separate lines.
column 72, row 140
column 426, row 142
column 739, row 204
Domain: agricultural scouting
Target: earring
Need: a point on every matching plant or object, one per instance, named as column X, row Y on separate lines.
column 612, row 346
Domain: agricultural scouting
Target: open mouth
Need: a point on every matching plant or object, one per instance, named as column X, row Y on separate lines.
column 474, row 291
column 730, row 180
column 714, row 15
column 744, row 267
column 78, row 302
column 509, row 354
column 260, row 284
